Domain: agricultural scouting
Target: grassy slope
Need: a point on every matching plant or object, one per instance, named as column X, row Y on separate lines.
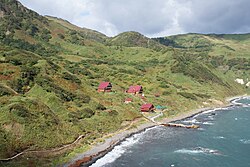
column 57, row 98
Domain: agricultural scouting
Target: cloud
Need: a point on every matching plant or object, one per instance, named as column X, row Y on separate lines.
column 213, row 16
column 64, row 9
column 145, row 16
column 150, row 17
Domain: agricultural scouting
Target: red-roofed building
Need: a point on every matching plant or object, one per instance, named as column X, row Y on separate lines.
column 105, row 87
column 128, row 100
column 135, row 89
column 147, row 107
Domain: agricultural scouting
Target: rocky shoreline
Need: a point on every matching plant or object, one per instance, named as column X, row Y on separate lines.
column 99, row 150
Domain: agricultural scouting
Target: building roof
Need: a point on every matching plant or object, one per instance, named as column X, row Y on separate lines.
column 134, row 89
column 147, row 106
column 128, row 99
column 103, row 85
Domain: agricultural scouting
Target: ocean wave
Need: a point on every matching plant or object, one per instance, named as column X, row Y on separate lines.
column 219, row 137
column 211, row 117
column 117, row 151
column 245, row 141
column 120, row 149
column 197, row 115
column 217, row 109
column 198, row 150
column 245, row 105
column 186, row 151
column 207, row 123
column 209, row 111
column 191, row 121
column 236, row 101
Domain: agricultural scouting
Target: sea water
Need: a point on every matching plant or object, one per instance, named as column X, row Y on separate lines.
column 223, row 140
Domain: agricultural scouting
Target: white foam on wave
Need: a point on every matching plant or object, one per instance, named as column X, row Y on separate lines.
column 217, row 109
column 187, row 151
column 245, row 141
column 192, row 121
column 245, row 105
column 238, row 103
column 209, row 111
column 219, row 137
column 211, row 117
column 119, row 150
column 207, row 123
column 196, row 115
column 235, row 101
column 116, row 152
column 198, row 150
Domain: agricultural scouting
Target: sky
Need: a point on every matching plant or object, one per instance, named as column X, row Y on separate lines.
column 153, row 18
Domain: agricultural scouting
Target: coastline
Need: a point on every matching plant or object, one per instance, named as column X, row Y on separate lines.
column 99, row 150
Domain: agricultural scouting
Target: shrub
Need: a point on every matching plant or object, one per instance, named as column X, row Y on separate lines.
column 87, row 113
column 164, row 85
column 4, row 91
column 83, row 98
column 202, row 95
column 80, row 114
column 71, row 77
column 19, row 58
column 140, row 67
column 48, row 84
column 166, row 93
column 100, row 107
column 61, row 36
column 53, row 65
column 196, row 70
column 20, row 110
column 187, row 95
column 113, row 113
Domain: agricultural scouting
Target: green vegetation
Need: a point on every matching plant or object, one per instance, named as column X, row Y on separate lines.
column 50, row 71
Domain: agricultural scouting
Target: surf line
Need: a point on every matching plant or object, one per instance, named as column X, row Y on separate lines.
column 178, row 125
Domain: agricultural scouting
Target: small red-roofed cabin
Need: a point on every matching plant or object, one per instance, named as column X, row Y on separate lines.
column 105, row 87
column 135, row 89
column 147, row 107
column 128, row 100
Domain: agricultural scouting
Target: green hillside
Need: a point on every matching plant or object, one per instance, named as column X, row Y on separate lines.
column 50, row 71
column 135, row 39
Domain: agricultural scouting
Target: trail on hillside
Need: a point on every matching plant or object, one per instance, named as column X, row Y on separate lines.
column 62, row 149
column 49, row 152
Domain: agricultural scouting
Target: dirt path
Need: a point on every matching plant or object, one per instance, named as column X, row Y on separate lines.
column 45, row 153
column 62, row 149
column 9, row 89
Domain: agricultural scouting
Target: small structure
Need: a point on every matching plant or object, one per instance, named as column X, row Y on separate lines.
column 240, row 81
column 128, row 100
column 147, row 107
column 105, row 87
column 157, row 95
column 135, row 89
column 248, row 84
column 160, row 108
